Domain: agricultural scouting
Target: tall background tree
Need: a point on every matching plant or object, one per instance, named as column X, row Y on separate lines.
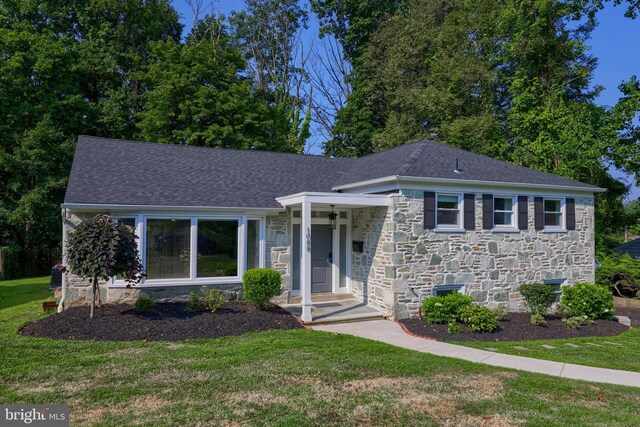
column 269, row 33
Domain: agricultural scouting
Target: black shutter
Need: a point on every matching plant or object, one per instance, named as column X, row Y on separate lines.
column 570, row 207
column 487, row 211
column 523, row 212
column 429, row 210
column 469, row 211
column 538, row 213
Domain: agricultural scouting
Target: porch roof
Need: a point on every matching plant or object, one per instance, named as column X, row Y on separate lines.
column 337, row 199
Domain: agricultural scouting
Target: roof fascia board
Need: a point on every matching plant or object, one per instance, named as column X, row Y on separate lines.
column 406, row 181
column 90, row 207
column 338, row 199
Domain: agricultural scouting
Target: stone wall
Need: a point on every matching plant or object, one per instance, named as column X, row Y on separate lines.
column 78, row 291
column 279, row 249
column 373, row 271
column 491, row 265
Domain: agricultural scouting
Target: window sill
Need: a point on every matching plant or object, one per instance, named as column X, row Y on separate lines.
column 552, row 230
column 506, row 230
column 159, row 283
column 450, row 230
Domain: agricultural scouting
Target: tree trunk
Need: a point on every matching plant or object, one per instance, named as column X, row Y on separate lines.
column 94, row 287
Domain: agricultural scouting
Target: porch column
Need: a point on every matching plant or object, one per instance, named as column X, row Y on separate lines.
column 305, row 264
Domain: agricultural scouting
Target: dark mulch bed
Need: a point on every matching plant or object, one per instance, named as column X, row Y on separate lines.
column 167, row 321
column 517, row 327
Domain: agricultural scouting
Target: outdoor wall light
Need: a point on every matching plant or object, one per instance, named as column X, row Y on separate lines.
column 332, row 218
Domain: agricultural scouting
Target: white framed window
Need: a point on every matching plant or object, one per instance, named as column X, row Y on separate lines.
column 449, row 211
column 554, row 215
column 194, row 250
column 504, row 212
column 126, row 220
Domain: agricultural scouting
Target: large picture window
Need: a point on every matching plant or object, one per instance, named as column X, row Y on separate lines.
column 217, row 248
column 448, row 207
column 168, row 248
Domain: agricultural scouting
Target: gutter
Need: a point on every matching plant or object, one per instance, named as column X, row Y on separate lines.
column 398, row 179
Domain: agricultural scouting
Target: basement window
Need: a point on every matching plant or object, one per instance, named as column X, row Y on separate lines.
column 557, row 287
column 442, row 290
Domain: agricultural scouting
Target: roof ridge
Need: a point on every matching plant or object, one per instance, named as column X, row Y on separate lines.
column 198, row 147
column 404, row 168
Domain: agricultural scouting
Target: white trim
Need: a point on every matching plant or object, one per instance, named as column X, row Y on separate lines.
column 514, row 213
column 398, row 179
column 157, row 208
column 450, row 227
column 337, row 199
column 562, row 228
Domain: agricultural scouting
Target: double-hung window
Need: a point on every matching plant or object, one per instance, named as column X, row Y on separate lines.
column 504, row 216
column 449, row 212
column 553, row 214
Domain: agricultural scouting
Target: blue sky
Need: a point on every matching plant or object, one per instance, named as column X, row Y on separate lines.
column 615, row 42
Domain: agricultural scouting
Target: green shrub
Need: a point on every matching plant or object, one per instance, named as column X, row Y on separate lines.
column 446, row 308
column 194, row 304
column 585, row 299
column 538, row 320
column 454, row 328
column 205, row 300
column 212, row 300
column 576, row 322
column 259, row 285
column 144, row 304
column 538, row 297
column 500, row 313
column 479, row 318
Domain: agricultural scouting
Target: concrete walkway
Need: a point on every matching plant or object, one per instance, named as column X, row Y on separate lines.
column 391, row 333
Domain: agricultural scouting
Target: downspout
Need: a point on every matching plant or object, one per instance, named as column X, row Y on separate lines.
column 64, row 275
column 421, row 296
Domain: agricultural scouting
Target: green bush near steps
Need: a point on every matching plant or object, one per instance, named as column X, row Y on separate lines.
column 446, row 308
column 259, row 285
column 479, row 318
column 586, row 299
column 144, row 304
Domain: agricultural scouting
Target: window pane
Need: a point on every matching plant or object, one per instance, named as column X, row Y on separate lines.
column 253, row 244
column 502, row 218
column 447, row 217
column 168, row 248
column 296, row 214
column 552, row 218
column 343, row 256
column 217, row 248
column 131, row 222
column 447, row 202
column 552, row 205
column 295, row 261
column 503, row 204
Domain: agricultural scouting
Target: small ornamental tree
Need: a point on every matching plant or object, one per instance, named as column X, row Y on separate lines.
column 100, row 248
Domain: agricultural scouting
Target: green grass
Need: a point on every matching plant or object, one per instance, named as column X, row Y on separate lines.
column 625, row 356
column 300, row 377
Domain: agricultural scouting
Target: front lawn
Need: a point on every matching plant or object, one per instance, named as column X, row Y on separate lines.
column 299, row 377
column 617, row 352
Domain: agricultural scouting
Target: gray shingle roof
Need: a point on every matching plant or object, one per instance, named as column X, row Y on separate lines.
column 430, row 159
column 632, row 248
column 111, row 171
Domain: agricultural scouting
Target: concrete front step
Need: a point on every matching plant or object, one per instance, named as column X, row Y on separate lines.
column 321, row 297
column 347, row 318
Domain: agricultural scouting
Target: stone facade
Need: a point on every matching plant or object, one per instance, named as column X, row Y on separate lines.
column 279, row 250
column 408, row 261
column 401, row 262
